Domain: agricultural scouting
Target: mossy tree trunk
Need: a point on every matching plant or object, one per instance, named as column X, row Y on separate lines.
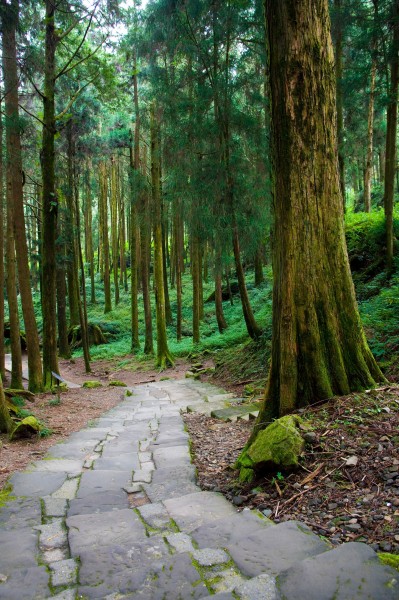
column 6, row 423
column 63, row 345
column 369, row 156
column 164, row 357
column 15, row 196
column 178, row 259
column 339, row 35
column 114, row 227
column 221, row 321
column 70, row 231
column 89, row 250
column 145, row 258
column 318, row 345
column 195, row 275
column 135, row 193
column 390, row 149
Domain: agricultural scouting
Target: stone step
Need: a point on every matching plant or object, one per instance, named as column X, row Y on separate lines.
column 236, row 412
column 350, row 571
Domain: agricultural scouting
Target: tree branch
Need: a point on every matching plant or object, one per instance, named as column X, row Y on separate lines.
column 74, row 97
column 81, row 60
column 32, row 115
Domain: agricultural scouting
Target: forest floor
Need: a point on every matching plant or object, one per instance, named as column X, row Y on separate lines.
column 347, row 487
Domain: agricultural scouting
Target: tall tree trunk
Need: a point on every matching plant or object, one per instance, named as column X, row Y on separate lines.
column 114, row 227
column 15, row 175
column 258, row 267
column 145, row 257
column 369, row 156
column 82, row 301
column 6, row 423
column 339, row 95
column 318, row 345
column 11, row 284
column 221, row 321
column 178, row 258
column 70, row 230
column 195, row 274
column 390, row 151
column 105, row 240
column 134, row 263
column 164, row 358
column 2, row 319
column 49, row 203
column 89, row 250
column 63, row 344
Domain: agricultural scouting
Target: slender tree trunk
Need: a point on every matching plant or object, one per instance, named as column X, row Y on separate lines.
column 369, row 157
column 259, row 278
column 168, row 309
column 6, row 423
column 49, row 203
column 318, row 346
column 390, row 151
column 145, row 258
column 221, row 321
column 105, row 240
column 114, row 228
column 15, row 174
column 89, row 235
column 70, row 231
column 178, row 259
column 63, row 344
column 2, row 319
column 11, row 284
column 164, row 358
column 195, row 274
column 82, row 301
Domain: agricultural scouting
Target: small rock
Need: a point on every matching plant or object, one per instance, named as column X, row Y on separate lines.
column 352, row 461
column 267, row 512
column 332, row 506
column 297, row 485
column 353, row 527
column 310, row 437
column 239, row 500
column 3, row 578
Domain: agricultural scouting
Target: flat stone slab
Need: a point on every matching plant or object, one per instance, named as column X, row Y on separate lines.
column 64, row 572
column 36, row 485
column 19, row 549
column 193, row 510
column 96, row 482
column 228, row 531
column 155, row 515
column 227, row 414
column 19, row 513
column 73, row 450
column 99, row 503
column 164, row 490
column 208, row 557
column 68, row 489
column 26, row 583
column 127, row 461
column 171, row 456
column 54, row 507
column 53, row 535
column 142, row 476
column 274, row 549
column 180, row 542
column 261, row 587
column 352, row 570
column 57, row 465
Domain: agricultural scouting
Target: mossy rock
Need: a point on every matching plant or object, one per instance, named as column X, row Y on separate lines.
column 278, row 446
column 60, row 387
column 92, row 384
column 129, row 393
column 389, row 559
column 26, row 427
column 117, row 383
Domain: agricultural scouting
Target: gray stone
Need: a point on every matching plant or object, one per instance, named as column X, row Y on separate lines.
column 210, row 556
column 180, row 542
column 99, row 503
column 19, row 513
column 145, row 457
column 274, row 549
column 26, row 583
column 64, row 572
column 99, row 482
column 262, row 587
column 225, row 581
column 73, row 450
column 58, row 465
column 155, row 515
column 193, row 510
column 18, row 549
column 68, row 489
column 54, row 555
column 133, row 488
column 142, row 476
column 54, row 507
column 52, row 535
column 171, row 456
column 228, row 531
column 36, row 485
column 126, row 461
column 349, row 571
column 65, row 595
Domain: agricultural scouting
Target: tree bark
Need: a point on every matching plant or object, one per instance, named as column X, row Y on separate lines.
column 195, row 274
column 369, row 157
column 114, row 227
column 318, row 345
column 105, row 240
column 15, row 183
column 2, row 319
column 221, row 321
column 49, row 203
column 390, row 150
column 339, row 96
column 164, row 358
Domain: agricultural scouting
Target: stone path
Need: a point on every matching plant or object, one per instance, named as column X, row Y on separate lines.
column 115, row 513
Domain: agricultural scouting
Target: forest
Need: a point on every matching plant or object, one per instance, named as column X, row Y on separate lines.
column 143, row 204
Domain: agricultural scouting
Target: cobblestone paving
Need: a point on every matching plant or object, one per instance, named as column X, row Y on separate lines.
column 114, row 512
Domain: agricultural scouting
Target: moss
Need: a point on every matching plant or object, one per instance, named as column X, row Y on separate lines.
column 6, row 495
column 246, row 475
column 389, row 559
column 92, row 384
column 129, row 393
column 60, row 387
column 117, row 383
column 280, row 444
